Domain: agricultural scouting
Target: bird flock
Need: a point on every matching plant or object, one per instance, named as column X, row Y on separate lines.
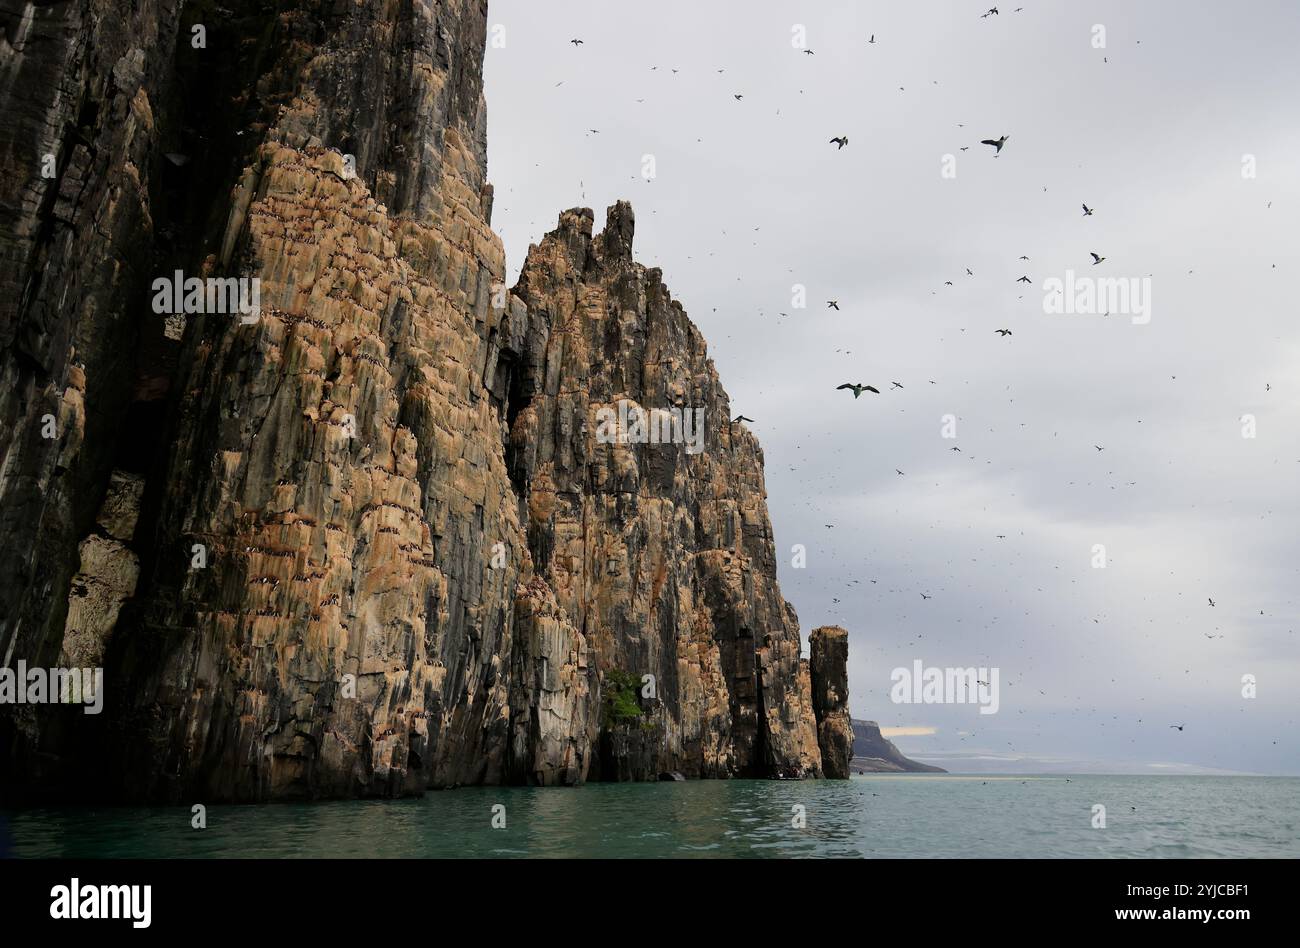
column 841, row 144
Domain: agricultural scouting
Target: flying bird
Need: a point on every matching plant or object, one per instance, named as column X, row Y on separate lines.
column 857, row 388
column 1096, row 259
column 1024, row 279
column 742, row 418
column 576, row 42
column 1087, row 211
column 1178, row 726
column 996, row 143
column 842, row 140
column 737, row 97
column 924, row 596
column 1211, row 601
column 1003, row 332
column 896, row 384
column 833, row 304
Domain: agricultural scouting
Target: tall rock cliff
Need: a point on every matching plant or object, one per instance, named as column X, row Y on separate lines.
column 397, row 529
column 661, row 553
column 80, row 175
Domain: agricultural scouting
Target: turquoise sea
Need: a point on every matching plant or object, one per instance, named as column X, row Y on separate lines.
column 874, row 816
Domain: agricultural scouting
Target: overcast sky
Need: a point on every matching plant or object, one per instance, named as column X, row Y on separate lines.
column 750, row 198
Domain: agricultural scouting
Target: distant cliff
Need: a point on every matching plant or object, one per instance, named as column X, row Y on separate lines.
column 399, row 529
column 873, row 754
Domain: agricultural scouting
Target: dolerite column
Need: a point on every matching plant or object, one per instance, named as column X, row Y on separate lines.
column 830, row 695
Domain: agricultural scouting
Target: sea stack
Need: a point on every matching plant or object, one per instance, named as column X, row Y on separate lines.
column 830, row 687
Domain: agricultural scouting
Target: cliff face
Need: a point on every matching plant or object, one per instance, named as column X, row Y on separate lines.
column 376, row 537
column 662, row 554
column 79, row 146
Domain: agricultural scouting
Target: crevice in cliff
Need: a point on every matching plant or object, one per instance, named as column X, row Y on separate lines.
column 516, row 390
column 193, row 173
column 761, row 765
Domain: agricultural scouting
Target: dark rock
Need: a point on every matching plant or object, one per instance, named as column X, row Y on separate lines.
column 830, row 690
column 872, row 753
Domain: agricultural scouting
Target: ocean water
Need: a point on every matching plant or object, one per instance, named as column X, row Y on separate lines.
column 873, row 816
